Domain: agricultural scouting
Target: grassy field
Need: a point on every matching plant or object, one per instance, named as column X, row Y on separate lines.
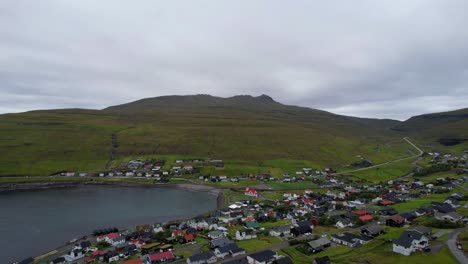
column 261, row 242
column 386, row 172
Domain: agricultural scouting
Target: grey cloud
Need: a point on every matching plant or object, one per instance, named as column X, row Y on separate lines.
column 391, row 59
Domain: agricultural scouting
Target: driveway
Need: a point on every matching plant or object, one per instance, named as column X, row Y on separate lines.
column 459, row 254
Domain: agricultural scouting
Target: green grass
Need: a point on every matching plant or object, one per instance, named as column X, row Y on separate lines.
column 423, row 201
column 273, row 138
column 258, row 243
column 274, row 224
column 386, row 172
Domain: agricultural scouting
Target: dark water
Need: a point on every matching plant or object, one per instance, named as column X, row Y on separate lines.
column 34, row 222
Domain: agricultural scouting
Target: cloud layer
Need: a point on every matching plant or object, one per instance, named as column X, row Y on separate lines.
column 391, row 59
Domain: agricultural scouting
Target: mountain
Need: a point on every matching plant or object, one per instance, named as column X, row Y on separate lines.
column 447, row 128
column 244, row 130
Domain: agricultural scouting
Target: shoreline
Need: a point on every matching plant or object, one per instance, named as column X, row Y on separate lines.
column 38, row 186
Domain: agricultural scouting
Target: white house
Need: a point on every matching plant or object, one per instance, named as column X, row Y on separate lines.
column 245, row 234
column 409, row 242
column 451, row 217
column 280, row 231
column 74, row 255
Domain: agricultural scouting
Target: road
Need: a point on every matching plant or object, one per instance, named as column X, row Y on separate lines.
column 388, row 162
column 457, row 253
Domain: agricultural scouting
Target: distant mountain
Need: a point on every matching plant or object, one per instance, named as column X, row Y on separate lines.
column 245, row 129
column 447, row 128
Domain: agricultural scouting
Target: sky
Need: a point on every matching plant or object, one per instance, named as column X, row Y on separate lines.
column 380, row 59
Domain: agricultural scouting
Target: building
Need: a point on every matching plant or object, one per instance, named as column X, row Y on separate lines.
column 452, row 217
column 318, row 245
column 262, row 257
column 251, row 192
column 409, row 242
column 280, row 231
column 395, row 221
column 350, row 240
column 202, row 258
column 245, row 234
column 159, row 257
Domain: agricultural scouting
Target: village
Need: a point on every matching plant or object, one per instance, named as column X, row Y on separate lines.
column 296, row 225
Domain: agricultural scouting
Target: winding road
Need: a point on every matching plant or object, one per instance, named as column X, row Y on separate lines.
column 457, row 253
column 388, row 162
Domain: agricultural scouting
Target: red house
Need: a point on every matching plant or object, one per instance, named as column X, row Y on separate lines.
column 159, row 257
column 250, row 192
column 366, row 218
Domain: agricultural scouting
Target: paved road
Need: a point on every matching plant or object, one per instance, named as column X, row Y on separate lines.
column 388, row 162
column 459, row 254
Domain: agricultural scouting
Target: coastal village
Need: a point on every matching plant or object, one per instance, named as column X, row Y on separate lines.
column 257, row 225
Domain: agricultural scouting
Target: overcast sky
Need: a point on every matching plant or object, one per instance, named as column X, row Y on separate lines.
column 385, row 59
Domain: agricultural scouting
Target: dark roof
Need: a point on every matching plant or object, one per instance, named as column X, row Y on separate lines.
column 349, row 237
column 58, row 260
column 302, row 229
column 238, row 261
column 263, row 256
column 220, row 242
column 407, row 238
column 85, row 244
column 373, row 228
column 202, row 256
column 319, row 242
column 228, row 247
column 322, row 260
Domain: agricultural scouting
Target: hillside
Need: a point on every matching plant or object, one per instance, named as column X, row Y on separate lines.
column 241, row 128
column 446, row 128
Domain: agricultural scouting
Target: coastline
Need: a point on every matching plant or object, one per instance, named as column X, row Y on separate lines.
column 37, row 186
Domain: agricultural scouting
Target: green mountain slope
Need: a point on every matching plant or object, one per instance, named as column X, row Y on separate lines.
column 242, row 128
column 446, row 128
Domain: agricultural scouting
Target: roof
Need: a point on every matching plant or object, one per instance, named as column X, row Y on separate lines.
column 283, row 260
column 349, row 237
column 160, row 256
column 189, row 237
column 202, row 256
column 361, row 212
column 263, row 256
column 422, row 229
column 398, row 219
column 220, row 242
column 281, row 228
column 238, row 261
column 373, row 228
column 366, row 218
column 407, row 237
column 319, row 242
column 135, row 261
column 228, row 247
column 322, row 260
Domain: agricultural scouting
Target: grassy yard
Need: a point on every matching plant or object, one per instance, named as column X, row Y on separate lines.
column 258, row 243
column 386, row 172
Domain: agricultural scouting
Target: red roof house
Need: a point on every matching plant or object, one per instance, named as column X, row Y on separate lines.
column 386, row 202
column 135, row 261
column 189, row 238
column 362, row 212
column 251, row 192
column 160, row 257
column 366, row 218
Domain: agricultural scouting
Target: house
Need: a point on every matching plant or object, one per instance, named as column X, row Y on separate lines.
column 262, row 257
column 189, row 238
column 344, row 222
column 409, row 242
column 452, row 202
column 108, row 237
column 220, row 242
column 85, row 245
column 388, row 211
column 427, row 231
column 231, row 249
column 301, row 230
column 135, row 261
column 74, row 254
column 322, row 260
column 245, row 234
column 372, row 230
column 366, row 218
column 111, row 256
column 216, row 234
column 318, row 245
column 238, row 261
column 450, row 217
column 395, row 221
column 280, row 231
column 350, row 240
column 283, row 260
column 159, row 257
column 251, row 192
column 202, row 258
